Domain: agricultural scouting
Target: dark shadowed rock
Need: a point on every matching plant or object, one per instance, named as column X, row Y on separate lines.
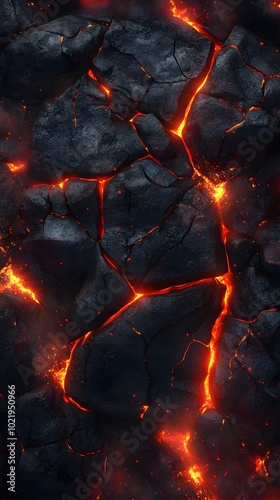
column 105, row 377
column 164, row 57
column 158, row 235
column 81, row 136
column 61, row 51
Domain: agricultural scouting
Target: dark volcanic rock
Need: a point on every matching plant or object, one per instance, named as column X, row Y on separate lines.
column 161, row 232
column 232, row 80
column 208, row 122
column 83, row 202
column 102, row 294
column 254, row 291
column 57, row 256
column 79, row 134
column 244, row 213
column 61, row 51
column 35, row 206
column 166, row 147
column 14, row 132
column 44, row 417
column 113, row 247
column 268, row 238
column 260, row 55
column 7, row 199
column 105, row 377
column 164, row 57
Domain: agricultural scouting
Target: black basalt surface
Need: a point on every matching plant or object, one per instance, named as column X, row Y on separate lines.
column 139, row 249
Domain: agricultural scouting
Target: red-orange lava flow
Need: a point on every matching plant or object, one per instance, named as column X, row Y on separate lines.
column 216, row 333
column 105, row 89
column 183, row 15
column 179, row 442
column 11, row 281
column 59, row 376
column 191, row 472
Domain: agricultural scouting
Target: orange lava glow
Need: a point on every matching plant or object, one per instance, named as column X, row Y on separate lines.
column 91, row 75
column 101, row 186
column 60, row 375
column 261, row 467
column 67, row 399
column 182, row 14
column 216, row 333
column 15, row 167
column 105, row 89
column 195, row 475
column 181, row 445
column 10, row 281
column 219, row 191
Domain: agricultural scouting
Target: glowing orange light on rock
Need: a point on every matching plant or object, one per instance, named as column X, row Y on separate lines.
column 10, row 281
column 15, row 167
column 195, row 475
column 67, row 399
column 101, row 186
column 183, row 16
column 91, row 75
column 106, row 90
column 60, row 375
column 260, row 466
column 216, row 333
column 219, row 191
column 62, row 184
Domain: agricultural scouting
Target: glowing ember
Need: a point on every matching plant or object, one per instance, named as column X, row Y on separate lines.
column 91, row 75
column 62, row 184
column 219, row 191
column 261, row 467
column 59, row 375
column 195, row 475
column 186, row 442
column 182, row 14
column 10, row 281
column 15, row 167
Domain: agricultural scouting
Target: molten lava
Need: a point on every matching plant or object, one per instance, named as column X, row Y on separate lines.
column 195, row 475
column 10, row 281
column 216, row 333
column 15, row 167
